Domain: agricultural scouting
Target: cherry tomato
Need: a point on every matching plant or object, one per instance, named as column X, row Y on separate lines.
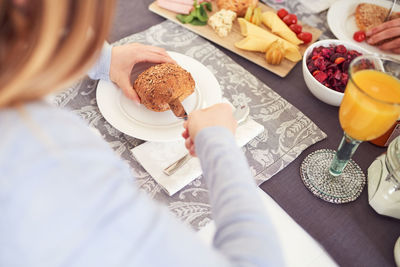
column 282, row 13
column 290, row 19
column 359, row 36
column 296, row 28
column 306, row 37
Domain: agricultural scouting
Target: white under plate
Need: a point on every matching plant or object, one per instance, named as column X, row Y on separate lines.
column 341, row 21
column 139, row 122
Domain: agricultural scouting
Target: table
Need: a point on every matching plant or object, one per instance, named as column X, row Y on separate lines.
column 348, row 232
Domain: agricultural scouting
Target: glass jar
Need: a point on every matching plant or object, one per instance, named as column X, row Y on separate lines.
column 388, row 137
column 384, row 181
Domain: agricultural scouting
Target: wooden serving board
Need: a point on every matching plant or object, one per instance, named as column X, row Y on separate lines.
column 234, row 36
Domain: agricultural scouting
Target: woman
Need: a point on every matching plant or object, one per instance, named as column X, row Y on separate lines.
column 66, row 199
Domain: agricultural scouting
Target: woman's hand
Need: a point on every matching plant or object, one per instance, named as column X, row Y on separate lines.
column 124, row 58
column 216, row 115
column 388, row 33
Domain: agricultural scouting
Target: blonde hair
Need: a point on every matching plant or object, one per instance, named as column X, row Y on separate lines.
column 47, row 44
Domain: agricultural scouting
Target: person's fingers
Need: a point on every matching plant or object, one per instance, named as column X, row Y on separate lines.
column 396, row 51
column 155, row 49
column 188, row 143
column 384, row 35
column 138, row 49
column 185, row 124
column 162, row 52
column 153, row 58
column 394, row 44
column 192, row 151
column 128, row 90
column 383, row 26
column 185, row 134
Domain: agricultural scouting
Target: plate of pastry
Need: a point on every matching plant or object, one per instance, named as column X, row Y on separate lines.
column 345, row 17
column 152, row 120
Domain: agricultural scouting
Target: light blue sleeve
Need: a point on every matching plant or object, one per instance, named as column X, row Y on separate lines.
column 101, row 69
column 244, row 233
column 68, row 200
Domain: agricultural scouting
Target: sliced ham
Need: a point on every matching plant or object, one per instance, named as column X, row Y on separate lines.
column 179, row 6
column 175, row 6
column 189, row 2
column 184, row 2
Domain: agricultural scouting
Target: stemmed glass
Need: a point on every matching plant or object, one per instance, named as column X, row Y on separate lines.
column 370, row 106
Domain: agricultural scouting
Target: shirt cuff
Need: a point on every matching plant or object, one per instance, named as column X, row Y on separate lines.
column 101, row 69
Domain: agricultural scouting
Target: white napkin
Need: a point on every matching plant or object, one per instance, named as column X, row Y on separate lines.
column 156, row 156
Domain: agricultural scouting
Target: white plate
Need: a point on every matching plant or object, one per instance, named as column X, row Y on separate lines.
column 139, row 122
column 341, row 21
column 397, row 252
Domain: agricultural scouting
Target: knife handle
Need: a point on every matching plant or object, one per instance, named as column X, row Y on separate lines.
column 171, row 169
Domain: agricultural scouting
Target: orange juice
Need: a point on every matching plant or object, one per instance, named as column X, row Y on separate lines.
column 366, row 115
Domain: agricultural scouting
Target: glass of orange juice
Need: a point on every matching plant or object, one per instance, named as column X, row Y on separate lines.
column 370, row 106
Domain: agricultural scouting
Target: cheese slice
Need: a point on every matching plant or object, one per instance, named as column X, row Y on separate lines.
column 258, row 39
column 277, row 26
column 253, row 43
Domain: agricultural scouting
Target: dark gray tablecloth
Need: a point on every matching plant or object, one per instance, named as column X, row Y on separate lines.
column 353, row 234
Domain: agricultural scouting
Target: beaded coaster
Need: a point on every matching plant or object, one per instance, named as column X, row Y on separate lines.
column 314, row 172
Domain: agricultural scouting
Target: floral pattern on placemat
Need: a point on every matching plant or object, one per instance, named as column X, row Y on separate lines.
column 287, row 131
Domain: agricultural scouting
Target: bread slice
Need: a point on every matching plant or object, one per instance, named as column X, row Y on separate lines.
column 160, row 84
column 370, row 15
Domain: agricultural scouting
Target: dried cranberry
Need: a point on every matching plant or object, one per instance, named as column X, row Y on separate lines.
column 311, row 67
column 320, row 63
column 321, row 76
column 335, row 56
column 318, row 49
column 345, row 78
column 345, row 66
column 326, row 52
column 315, row 54
column 341, row 49
column 329, row 65
column 337, row 75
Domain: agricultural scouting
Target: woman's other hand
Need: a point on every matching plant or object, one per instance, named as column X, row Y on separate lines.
column 388, row 33
column 216, row 115
column 124, row 58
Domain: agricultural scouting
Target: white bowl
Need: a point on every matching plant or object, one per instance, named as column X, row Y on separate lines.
column 319, row 90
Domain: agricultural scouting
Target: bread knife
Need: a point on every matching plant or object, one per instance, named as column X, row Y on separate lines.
column 178, row 109
column 390, row 11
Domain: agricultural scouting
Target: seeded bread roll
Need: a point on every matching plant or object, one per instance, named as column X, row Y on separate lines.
column 162, row 83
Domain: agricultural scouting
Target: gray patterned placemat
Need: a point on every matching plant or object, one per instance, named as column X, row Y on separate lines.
column 287, row 130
